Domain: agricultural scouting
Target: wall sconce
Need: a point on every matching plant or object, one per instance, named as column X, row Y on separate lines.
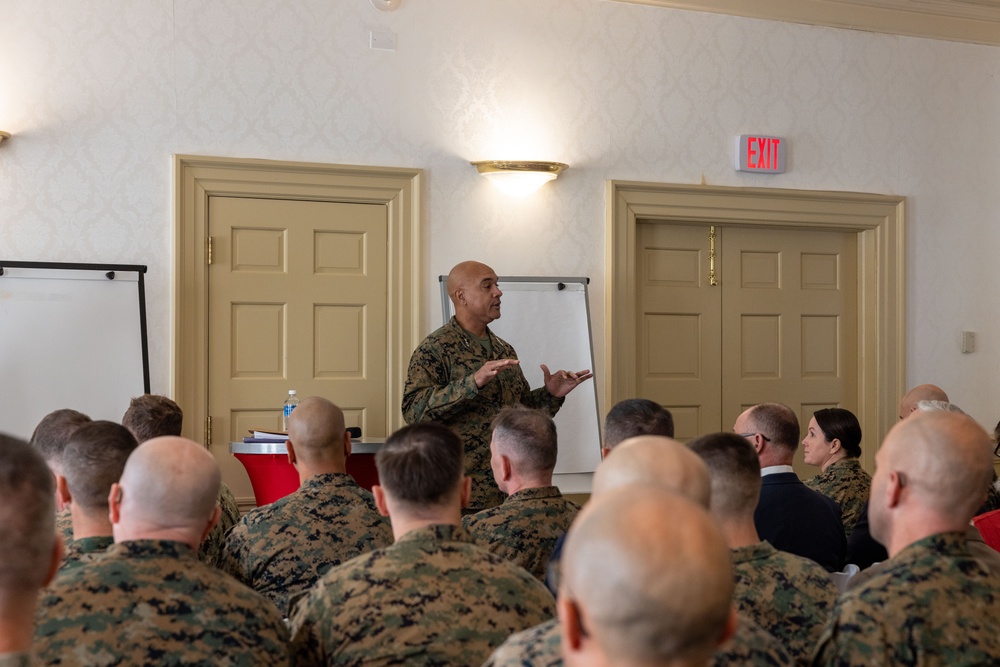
column 4, row 135
column 519, row 178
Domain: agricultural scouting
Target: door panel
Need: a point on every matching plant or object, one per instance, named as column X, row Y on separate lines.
column 679, row 327
column 781, row 325
column 297, row 300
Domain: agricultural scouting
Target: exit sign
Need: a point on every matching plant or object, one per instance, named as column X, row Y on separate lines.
column 764, row 155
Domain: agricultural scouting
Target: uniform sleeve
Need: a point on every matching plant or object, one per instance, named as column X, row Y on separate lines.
column 232, row 554
column 429, row 393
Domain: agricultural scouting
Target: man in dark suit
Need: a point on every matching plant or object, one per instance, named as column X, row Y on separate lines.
column 791, row 516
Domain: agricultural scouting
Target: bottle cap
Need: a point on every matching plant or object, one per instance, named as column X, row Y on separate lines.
column 291, row 392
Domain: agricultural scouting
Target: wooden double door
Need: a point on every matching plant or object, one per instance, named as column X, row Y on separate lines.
column 732, row 316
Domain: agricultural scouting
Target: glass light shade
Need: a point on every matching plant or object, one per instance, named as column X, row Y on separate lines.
column 519, row 179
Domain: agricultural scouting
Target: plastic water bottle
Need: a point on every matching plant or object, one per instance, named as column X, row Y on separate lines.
column 290, row 403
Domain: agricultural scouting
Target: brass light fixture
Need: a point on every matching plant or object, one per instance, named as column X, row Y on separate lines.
column 4, row 135
column 519, row 178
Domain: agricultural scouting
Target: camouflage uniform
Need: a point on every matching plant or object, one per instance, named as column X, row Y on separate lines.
column 151, row 602
column 432, row 598
column 211, row 547
column 281, row 549
column 787, row 595
column 85, row 550
column 934, row 604
column 15, row 660
column 64, row 525
column 440, row 387
column 750, row 646
column 846, row 482
column 524, row 529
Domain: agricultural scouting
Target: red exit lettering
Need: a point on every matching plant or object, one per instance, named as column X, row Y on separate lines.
column 762, row 152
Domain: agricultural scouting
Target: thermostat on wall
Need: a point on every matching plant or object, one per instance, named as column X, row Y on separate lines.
column 763, row 155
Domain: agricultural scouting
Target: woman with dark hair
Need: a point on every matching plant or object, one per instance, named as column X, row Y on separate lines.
column 833, row 443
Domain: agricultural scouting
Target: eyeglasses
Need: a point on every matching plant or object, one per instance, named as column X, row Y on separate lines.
column 750, row 435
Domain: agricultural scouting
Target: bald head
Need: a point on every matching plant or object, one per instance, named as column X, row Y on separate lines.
column 647, row 588
column 475, row 294
column 317, row 432
column 923, row 392
column 941, row 463
column 654, row 461
column 169, row 484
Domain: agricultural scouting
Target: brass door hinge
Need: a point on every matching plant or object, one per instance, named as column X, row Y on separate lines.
column 208, row 431
column 208, row 250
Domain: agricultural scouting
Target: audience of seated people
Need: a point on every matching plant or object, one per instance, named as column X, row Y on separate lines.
column 787, row 595
column 434, row 597
column 149, row 600
column 152, row 416
column 525, row 527
column 932, row 602
column 790, row 516
column 281, row 549
column 657, row 463
column 93, row 461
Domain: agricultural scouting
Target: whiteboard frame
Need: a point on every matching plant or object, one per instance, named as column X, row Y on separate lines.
column 110, row 271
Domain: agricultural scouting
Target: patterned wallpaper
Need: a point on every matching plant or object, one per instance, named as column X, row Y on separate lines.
column 99, row 95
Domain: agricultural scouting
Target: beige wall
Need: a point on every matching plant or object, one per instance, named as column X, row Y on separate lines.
column 99, row 95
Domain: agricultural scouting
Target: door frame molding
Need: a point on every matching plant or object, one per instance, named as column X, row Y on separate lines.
column 878, row 221
column 196, row 178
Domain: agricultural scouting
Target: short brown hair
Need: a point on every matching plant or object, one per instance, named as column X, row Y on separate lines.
column 94, row 460
column 27, row 516
column 53, row 433
column 150, row 416
column 528, row 438
column 734, row 468
column 421, row 464
column 777, row 422
column 634, row 417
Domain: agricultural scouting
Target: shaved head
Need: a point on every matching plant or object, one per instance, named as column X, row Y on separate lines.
column 942, row 461
column 655, row 461
column 923, row 392
column 169, row 483
column 650, row 576
column 316, row 429
column 473, row 289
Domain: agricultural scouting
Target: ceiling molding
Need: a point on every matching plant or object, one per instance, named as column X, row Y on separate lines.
column 974, row 21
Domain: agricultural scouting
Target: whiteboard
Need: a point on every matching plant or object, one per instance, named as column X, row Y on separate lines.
column 547, row 320
column 71, row 336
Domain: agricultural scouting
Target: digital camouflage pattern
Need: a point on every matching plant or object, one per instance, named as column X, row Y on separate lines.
column 64, row 525
column 152, row 602
column 281, row 549
column 750, row 646
column 15, row 660
column 934, row 604
column 525, row 528
column 440, row 388
column 432, row 598
column 85, row 550
column 211, row 547
column 847, row 483
column 787, row 595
